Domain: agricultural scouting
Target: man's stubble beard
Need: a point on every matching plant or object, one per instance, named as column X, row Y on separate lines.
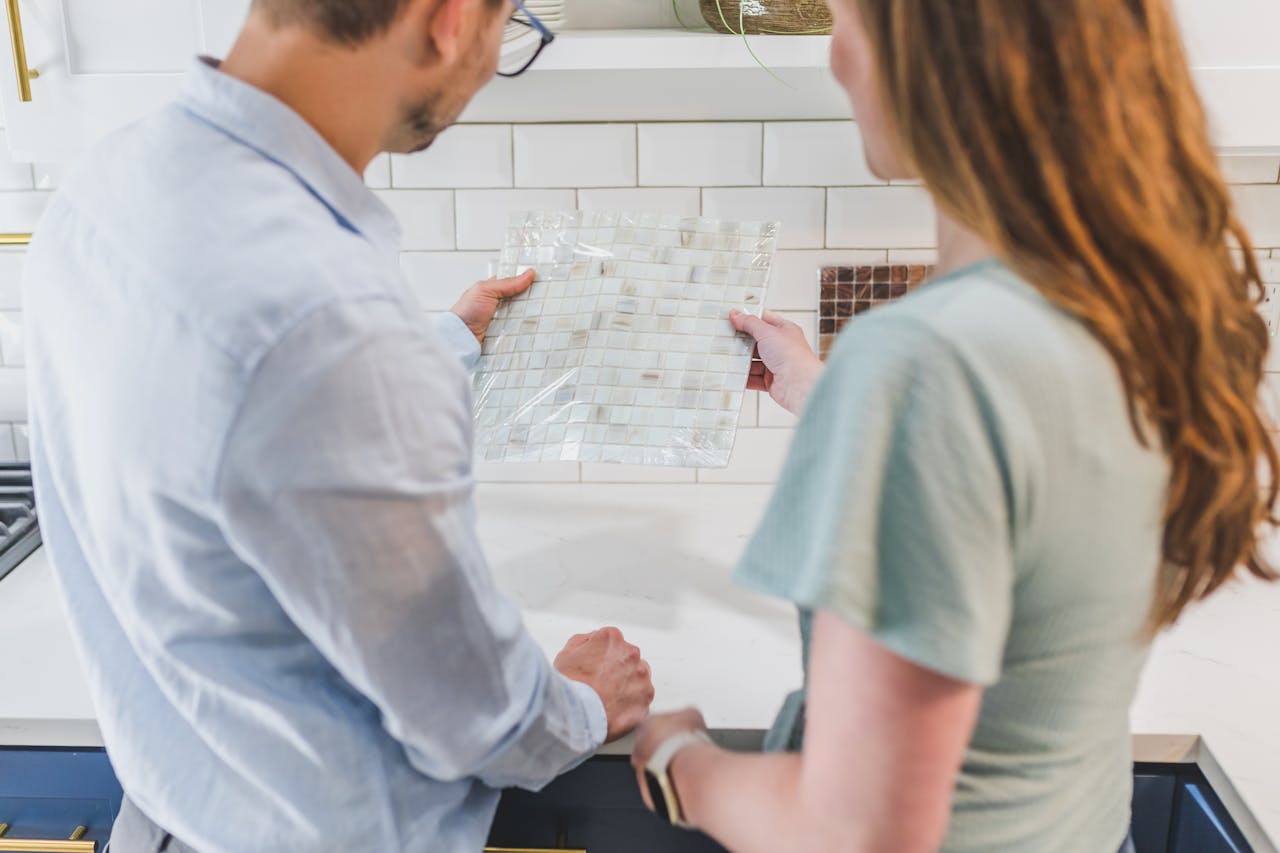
column 419, row 126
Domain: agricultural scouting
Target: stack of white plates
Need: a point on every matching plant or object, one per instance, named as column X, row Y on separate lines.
column 550, row 12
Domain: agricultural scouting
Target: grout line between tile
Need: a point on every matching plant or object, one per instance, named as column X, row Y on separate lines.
column 826, row 220
column 457, row 222
column 511, row 137
column 761, row 153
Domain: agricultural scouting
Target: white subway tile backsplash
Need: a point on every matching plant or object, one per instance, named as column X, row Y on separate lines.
column 1258, row 206
column 465, row 155
column 454, row 201
column 378, row 175
column 700, row 155
column 575, row 155
column 11, row 339
column 11, row 262
column 801, row 211
column 20, row 211
column 807, row 320
column 439, row 278
column 426, row 217
column 1251, row 170
column 880, row 217
column 773, row 415
column 599, row 472
column 758, row 456
column 13, row 394
column 928, row 257
column 483, row 214
column 1269, row 401
column 815, row 154
column 683, row 201
column 1272, row 364
column 13, row 176
column 793, row 284
column 527, row 472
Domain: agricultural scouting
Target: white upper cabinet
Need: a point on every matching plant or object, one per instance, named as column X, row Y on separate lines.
column 100, row 64
column 105, row 63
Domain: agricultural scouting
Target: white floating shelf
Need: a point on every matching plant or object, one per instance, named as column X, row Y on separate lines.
column 655, row 75
column 595, row 50
column 671, row 75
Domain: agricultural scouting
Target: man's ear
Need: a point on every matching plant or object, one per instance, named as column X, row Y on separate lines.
column 441, row 27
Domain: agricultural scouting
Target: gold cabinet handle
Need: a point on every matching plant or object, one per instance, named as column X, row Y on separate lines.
column 74, row 844
column 25, row 72
column 15, row 239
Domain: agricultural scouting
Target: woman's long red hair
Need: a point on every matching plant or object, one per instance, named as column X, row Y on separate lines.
column 1069, row 134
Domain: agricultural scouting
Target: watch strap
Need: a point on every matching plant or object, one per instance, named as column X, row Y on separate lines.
column 659, row 765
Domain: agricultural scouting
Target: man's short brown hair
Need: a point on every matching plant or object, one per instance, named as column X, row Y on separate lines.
column 343, row 21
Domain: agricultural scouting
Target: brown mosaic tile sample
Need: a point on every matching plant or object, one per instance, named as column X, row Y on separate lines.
column 846, row 292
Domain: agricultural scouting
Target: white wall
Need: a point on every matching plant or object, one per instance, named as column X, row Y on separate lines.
column 453, row 200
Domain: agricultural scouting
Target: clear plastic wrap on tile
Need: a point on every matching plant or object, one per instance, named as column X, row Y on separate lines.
column 622, row 350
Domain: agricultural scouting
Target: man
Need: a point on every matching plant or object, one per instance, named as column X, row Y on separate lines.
column 252, row 456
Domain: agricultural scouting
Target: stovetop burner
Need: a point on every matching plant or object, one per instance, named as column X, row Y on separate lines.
column 19, row 531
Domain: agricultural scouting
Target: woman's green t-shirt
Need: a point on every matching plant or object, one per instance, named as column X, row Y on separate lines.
column 966, row 486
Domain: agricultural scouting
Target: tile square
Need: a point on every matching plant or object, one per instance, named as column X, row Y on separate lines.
column 844, row 292
column 654, row 373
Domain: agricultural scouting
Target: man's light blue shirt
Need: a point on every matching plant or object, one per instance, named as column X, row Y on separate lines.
column 252, row 456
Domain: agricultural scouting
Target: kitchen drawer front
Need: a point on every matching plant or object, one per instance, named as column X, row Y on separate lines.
column 596, row 807
column 1153, row 796
column 46, row 793
column 1202, row 825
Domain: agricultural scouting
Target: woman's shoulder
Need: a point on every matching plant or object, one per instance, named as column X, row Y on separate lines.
column 987, row 318
column 984, row 298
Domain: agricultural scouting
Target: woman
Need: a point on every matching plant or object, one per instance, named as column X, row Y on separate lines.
column 1003, row 485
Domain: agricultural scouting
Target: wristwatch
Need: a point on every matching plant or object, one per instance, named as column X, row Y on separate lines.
column 662, row 790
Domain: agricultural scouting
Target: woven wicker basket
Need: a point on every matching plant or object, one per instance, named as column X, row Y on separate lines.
column 767, row 17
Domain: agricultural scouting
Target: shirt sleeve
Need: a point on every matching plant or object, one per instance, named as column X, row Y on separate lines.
column 346, row 484
column 894, row 509
column 459, row 338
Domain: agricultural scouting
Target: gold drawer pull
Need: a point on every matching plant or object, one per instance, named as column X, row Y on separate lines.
column 25, row 72
column 15, row 239
column 533, row 850
column 74, row 844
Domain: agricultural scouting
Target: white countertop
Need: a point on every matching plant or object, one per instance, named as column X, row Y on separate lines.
column 655, row 560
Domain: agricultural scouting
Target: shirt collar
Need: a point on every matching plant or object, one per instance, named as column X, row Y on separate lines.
column 261, row 122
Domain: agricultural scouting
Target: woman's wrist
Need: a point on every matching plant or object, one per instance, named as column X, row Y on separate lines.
column 806, row 377
column 683, row 771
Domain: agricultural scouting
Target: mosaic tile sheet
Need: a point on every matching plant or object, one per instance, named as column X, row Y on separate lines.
column 846, row 292
column 621, row 351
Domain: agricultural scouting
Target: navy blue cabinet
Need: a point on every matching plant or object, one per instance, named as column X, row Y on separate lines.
column 47, row 793
column 595, row 807
column 1201, row 822
column 1153, row 796
column 1175, row 810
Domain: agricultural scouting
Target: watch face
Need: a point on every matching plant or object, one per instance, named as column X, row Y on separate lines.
column 657, row 796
